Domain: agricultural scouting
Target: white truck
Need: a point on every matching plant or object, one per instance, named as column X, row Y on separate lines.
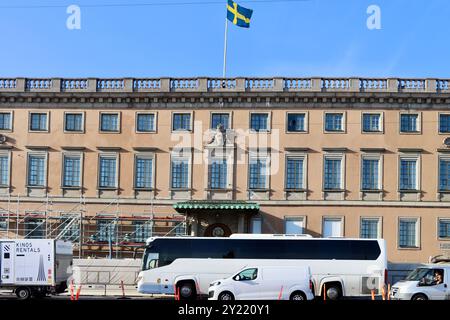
column 35, row 267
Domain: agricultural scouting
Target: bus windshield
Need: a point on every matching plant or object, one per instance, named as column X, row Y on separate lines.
column 150, row 259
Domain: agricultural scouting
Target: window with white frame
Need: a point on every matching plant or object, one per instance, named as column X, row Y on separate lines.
column 372, row 122
column 408, row 233
column 256, row 225
column 444, row 173
column 217, row 173
column 332, row 227
column 409, row 123
column 143, row 177
column 258, row 172
column 444, row 228
column 296, row 122
column 37, row 170
column 334, row 122
column 3, row 224
column 106, row 230
column 333, row 175
column 295, row 172
column 145, row 122
column 109, row 122
column 38, row 121
column 142, row 230
column 294, row 225
column 72, row 168
column 4, row 169
column 73, row 122
column 444, row 123
column 409, row 173
column 220, row 118
column 259, row 122
column 370, row 228
column 5, row 121
column 371, row 173
column 181, row 122
column 180, row 171
column 34, row 228
column 108, row 171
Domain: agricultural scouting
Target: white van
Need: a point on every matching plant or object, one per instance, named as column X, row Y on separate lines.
column 428, row 282
column 265, row 283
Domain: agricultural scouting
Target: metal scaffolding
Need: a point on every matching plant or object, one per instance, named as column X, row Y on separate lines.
column 108, row 232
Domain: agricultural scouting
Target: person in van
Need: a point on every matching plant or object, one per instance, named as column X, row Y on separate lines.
column 438, row 278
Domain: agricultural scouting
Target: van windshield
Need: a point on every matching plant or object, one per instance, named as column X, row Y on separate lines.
column 418, row 274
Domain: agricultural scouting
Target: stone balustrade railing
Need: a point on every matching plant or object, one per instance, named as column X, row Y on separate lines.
column 203, row 84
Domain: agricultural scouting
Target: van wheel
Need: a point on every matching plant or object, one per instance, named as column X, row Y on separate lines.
column 298, row 296
column 226, row 296
column 186, row 291
column 23, row 293
column 419, row 297
column 333, row 292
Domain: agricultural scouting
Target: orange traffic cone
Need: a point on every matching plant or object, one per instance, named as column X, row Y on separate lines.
column 373, row 294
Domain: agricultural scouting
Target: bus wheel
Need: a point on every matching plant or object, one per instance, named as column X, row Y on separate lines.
column 23, row 293
column 186, row 290
column 298, row 296
column 226, row 295
column 419, row 297
column 333, row 292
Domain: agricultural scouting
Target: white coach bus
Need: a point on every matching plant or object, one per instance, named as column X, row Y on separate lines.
column 187, row 265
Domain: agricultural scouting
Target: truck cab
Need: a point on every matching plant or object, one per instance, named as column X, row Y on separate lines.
column 428, row 282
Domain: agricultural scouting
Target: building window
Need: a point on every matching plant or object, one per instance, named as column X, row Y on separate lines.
column 109, row 122
column 145, row 122
column 3, row 224
column 108, row 172
column 334, row 122
column 332, row 227
column 409, row 123
column 180, row 174
column 72, row 171
column 38, row 122
column 256, row 225
column 258, row 173
column 142, row 230
column 370, row 174
column 36, row 170
column 4, row 170
column 34, row 228
column 333, row 174
column 5, row 121
column 259, row 122
column 69, row 230
column 220, row 118
column 296, row 122
column 370, row 228
column 444, row 228
column 408, row 174
column 144, row 172
column 372, row 122
column 181, row 122
column 218, row 174
column 294, row 173
column 444, row 174
column 444, row 123
column 294, row 225
column 408, row 233
column 106, row 230
column 73, row 122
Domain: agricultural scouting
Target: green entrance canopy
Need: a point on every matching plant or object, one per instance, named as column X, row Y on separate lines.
column 216, row 205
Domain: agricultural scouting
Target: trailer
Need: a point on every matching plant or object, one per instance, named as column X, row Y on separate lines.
column 35, row 267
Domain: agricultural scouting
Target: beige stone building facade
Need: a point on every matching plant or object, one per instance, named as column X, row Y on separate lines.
column 109, row 162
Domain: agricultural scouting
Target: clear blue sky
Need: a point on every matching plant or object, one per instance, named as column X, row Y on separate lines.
column 315, row 37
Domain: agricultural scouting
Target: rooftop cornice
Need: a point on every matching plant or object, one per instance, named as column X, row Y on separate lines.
column 224, row 85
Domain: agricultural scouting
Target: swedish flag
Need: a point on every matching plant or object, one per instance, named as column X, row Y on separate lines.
column 240, row 16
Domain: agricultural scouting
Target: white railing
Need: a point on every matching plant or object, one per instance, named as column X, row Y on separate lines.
column 74, row 84
column 316, row 84
column 259, row 83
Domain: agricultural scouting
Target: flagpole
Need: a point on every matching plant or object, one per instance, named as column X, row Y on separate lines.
column 225, row 50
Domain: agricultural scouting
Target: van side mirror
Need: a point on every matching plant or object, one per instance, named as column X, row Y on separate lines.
column 237, row 277
column 422, row 282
